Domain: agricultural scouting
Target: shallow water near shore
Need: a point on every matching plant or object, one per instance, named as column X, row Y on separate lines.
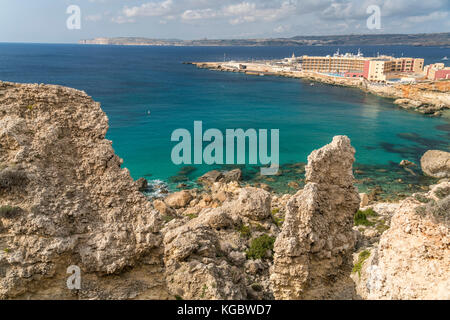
column 147, row 93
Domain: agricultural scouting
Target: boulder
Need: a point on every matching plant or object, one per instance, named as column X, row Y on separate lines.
column 252, row 203
column 209, row 178
column 142, row 184
column 233, row 175
column 436, row 164
column 178, row 199
column 406, row 163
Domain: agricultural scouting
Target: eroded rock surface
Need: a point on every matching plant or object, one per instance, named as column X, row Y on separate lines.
column 206, row 257
column 313, row 252
column 436, row 163
column 65, row 200
column 412, row 258
column 75, row 204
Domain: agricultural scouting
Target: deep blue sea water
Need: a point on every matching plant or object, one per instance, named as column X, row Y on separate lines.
column 130, row 81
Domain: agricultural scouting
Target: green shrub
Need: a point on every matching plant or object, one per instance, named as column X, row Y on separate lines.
column 259, row 247
column 167, row 218
column 363, row 255
column 205, row 287
column 382, row 227
column 244, row 231
column 276, row 220
column 441, row 193
column 257, row 287
column 439, row 210
column 192, row 216
column 9, row 211
column 360, row 217
column 421, row 198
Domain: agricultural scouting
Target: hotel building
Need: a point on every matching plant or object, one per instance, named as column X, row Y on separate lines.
column 437, row 71
column 376, row 69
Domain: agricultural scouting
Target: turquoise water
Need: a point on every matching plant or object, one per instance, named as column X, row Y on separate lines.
column 130, row 81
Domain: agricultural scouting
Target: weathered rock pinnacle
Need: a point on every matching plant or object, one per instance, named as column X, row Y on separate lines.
column 313, row 251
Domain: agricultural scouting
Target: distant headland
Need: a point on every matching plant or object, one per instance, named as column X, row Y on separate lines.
column 423, row 39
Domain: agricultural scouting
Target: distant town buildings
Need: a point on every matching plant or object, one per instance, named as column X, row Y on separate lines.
column 437, row 71
column 382, row 69
column 377, row 69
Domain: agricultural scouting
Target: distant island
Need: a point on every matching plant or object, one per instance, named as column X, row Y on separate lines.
column 423, row 39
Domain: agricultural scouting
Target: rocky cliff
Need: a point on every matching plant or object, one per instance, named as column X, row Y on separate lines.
column 412, row 258
column 65, row 201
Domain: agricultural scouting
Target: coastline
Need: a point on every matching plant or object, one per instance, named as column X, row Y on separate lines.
column 66, row 201
column 430, row 97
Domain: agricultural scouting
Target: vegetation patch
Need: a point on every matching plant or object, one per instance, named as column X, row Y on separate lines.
column 277, row 220
column 382, row 227
column 439, row 210
column 192, row 216
column 421, row 198
column 244, row 231
column 9, row 211
column 257, row 287
column 259, row 247
column 363, row 255
column 205, row 287
column 441, row 193
column 360, row 218
column 11, row 178
column 167, row 218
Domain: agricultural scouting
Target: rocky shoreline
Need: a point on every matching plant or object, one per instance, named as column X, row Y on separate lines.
column 66, row 201
column 430, row 98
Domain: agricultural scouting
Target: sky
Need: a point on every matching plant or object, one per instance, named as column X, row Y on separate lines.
column 47, row 20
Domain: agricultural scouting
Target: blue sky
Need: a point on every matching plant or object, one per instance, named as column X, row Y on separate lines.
column 45, row 20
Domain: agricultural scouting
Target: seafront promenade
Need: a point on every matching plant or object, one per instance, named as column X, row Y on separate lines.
column 427, row 97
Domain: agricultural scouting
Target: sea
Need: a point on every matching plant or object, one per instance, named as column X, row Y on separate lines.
column 148, row 92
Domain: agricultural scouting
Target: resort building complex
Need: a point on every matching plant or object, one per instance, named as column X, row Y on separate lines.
column 382, row 69
column 378, row 69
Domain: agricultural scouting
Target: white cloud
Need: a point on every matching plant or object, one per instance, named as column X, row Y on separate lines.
column 94, row 17
column 149, row 9
column 199, row 14
column 122, row 20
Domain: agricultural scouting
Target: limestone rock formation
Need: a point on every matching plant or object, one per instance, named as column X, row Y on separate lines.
column 436, row 163
column 205, row 256
column 213, row 176
column 178, row 199
column 73, row 203
column 312, row 257
column 412, row 259
column 65, row 201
